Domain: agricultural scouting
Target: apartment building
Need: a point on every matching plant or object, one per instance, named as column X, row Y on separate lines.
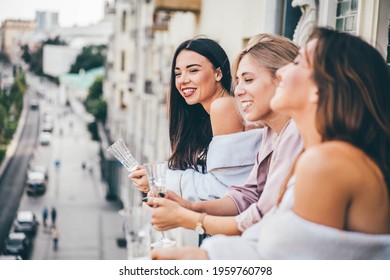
column 10, row 33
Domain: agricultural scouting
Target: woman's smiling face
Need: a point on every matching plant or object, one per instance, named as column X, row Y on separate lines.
column 195, row 77
column 255, row 88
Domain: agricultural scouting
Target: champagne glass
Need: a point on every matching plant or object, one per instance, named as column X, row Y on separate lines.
column 137, row 226
column 122, row 153
column 157, row 181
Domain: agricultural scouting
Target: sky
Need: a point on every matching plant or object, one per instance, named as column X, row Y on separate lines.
column 71, row 12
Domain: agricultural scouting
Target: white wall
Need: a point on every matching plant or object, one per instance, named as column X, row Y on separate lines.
column 57, row 60
column 231, row 21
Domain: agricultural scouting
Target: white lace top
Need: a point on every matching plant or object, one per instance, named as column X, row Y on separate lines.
column 282, row 234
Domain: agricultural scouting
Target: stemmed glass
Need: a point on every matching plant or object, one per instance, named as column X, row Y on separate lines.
column 137, row 226
column 156, row 172
column 122, row 153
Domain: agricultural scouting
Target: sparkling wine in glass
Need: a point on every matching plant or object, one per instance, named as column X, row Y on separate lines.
column 157, row 181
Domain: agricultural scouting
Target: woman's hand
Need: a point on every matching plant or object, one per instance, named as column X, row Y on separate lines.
column 140, row 179
column 166, row 214
column 181, row 201
column 185, row 253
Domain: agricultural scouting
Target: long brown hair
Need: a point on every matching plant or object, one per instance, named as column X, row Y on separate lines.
column 190, row 131
column 354, row 94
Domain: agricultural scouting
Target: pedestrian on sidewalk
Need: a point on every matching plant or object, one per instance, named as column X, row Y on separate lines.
column 55, row 234
column 45, row 214
column 53, row 216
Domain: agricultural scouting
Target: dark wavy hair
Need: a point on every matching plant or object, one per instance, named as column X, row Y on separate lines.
column 354, row 94
column 190, row 131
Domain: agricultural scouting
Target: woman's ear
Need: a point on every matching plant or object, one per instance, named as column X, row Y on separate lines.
column 313, row 97
column 218, row 74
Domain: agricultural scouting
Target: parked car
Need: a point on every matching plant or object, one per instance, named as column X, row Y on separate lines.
column 45, row 138
column 36, row 183
column 26, row 222
column 10, row 257
column 34, row 104
column 18, row 244
column 47, row 126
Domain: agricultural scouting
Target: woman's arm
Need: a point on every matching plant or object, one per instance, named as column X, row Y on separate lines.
column 224, row 206
column 230, row 159
column 168, row 214
column 185, row 253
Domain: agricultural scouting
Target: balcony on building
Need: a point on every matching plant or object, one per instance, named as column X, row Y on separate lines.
column 178, row 5
column 148, row 87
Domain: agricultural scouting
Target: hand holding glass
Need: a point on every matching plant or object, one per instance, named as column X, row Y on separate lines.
column 157, row 181
column 122, row 153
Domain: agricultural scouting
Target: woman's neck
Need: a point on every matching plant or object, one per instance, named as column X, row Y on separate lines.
column 307, row 129
column 218, row 93
column 277, row 122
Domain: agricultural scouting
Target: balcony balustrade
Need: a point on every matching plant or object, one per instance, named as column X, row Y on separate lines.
column 178, row 5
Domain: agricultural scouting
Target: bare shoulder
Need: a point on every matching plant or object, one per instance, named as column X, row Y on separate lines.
column 336, row 163
column 225, row 117
column 326, row 176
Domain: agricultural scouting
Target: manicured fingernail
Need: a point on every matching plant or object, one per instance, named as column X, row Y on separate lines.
column 145, row 199
column 161, row 194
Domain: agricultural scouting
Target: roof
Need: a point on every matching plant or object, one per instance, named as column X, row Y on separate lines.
column 36, row 176
column 17, row 235
column 82, row 81
column 25, row 216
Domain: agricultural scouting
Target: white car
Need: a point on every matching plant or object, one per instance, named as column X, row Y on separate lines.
column 45, row 138
column 34, row 104
column 39, row 168
column 47, row 126
column 26, row 222
column 36, row 183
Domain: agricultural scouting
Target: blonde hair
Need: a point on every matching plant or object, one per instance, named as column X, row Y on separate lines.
column 270, row 51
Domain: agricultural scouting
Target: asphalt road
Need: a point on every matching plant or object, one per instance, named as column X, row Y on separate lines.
column 13, row 180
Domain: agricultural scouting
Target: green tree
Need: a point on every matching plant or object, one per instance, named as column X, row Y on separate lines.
column 90, row 57
column 3, row 119
column 11, row 105
column 94, row 102
column 96, row 90
column 4, row 58
column 26, row 55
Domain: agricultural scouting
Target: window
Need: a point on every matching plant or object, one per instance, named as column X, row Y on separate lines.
column 245, row 42
column 346, row 16
column 123, row 21
column 122, row 100
column 123, row 56
column 388, row 45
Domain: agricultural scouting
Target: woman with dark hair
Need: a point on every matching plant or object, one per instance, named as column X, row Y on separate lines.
column 336, row 203
column 204, row 126
column 243, row 205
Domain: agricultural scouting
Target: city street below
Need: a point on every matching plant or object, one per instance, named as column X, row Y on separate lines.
column 88, row 225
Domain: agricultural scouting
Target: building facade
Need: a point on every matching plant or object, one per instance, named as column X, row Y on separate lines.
column 10, row 33
column 46, row 21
